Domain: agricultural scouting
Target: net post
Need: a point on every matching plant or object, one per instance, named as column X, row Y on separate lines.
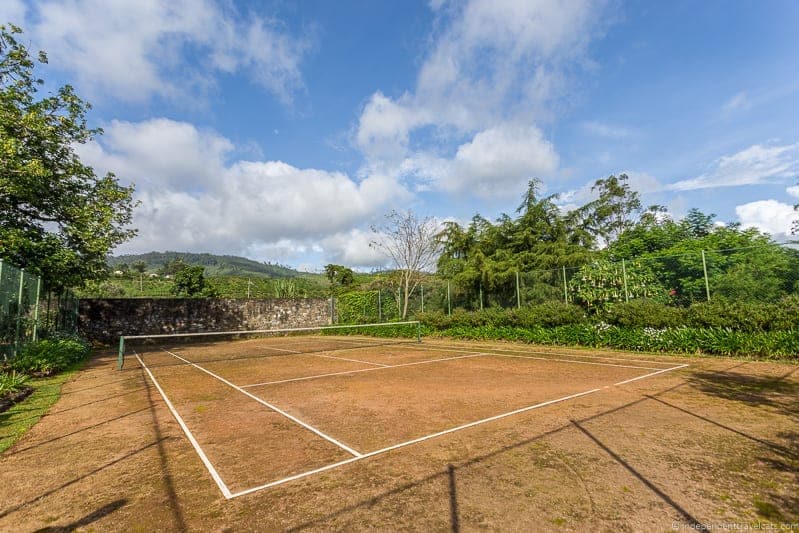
column 418, row 331
column 121, row 356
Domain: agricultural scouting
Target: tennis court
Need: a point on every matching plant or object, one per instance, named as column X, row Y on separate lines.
column 268, row 410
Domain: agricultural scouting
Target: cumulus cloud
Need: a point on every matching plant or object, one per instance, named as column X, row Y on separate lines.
column 755, row 165
column 490, row 76
column 194, row 199
column 497, row 161
column 769, row 216
column 134, row 50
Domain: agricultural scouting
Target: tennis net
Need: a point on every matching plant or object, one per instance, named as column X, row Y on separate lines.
column 209, row 346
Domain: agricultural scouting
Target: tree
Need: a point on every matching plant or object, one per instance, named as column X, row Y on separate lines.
column 614, row 211
column 191, row 282
column 139, row 266
column 173, row 267
column 411, row 244
column 340, row 277
column 58, row 218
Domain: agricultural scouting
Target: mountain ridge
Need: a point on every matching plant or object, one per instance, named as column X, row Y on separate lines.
column 215, row 265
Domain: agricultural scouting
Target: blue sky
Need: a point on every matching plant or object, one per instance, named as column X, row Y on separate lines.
column 283, row 131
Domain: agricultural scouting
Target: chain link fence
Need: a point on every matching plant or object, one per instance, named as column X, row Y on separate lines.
column 753, row 274
column 28, row 310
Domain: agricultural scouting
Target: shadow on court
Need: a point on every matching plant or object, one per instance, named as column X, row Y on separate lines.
column 785, row 459
column 90, row 518
column 172, row 498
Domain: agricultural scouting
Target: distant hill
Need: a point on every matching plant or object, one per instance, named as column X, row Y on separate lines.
column 215, row 265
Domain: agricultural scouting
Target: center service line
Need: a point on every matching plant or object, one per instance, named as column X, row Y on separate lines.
column 272, row 407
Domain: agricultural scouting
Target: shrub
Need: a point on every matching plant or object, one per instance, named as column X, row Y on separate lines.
column 11, row 382
column 644, row 313
column 549, row 314
column 51, row 355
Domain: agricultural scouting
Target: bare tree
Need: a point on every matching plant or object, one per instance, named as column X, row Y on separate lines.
column 411, row 244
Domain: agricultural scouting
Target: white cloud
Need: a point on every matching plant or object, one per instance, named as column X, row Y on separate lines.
column 169, row 48
column 193, row 199
column 736, row 102
column 606, row 131
column 793, row 191
column 353, row 248
column 496, row 67
column 501, row 160
column 769, row 216
column 755, row 165
column 13, row 11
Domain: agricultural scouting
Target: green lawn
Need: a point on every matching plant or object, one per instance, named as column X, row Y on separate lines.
column 22, row 416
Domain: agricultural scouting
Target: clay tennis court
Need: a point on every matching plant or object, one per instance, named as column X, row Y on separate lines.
column 313, row 403
column 351, row 433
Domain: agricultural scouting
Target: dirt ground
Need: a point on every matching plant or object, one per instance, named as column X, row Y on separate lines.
column 714, row 444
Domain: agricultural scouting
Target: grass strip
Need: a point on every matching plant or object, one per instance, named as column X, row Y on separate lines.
column 18, row 419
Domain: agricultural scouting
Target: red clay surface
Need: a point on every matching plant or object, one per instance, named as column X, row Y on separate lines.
column 713, row 444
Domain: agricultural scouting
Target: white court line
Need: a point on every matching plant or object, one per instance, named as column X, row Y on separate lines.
column 315, row 355
column 413, row 441
column 272, row 407
column 489, row 352
column 440, row 433
column 350, row 360
column 650, row 375
column 570, row 361
column 345, row 372
column 562, row 354
column 211, row 470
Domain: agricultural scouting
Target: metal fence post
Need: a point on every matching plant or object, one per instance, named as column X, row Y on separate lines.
column 421, row 287
column 36, row 309
column 19, row 311
column 481, row 296
column 704, row 269
column 379, row 306
column 518, row 293
column 624, row 275
column 565, row 286
column 449, row 301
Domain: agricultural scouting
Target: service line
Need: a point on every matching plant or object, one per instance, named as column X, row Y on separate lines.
column 444, row 432
column 272, row 407
column 345, row 372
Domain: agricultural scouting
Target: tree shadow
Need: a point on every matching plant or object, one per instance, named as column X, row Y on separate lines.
column 118, row 460
column 90, row 518
column 17, row 450
column 448, row 474
column 690, row 519
column 172, row 498
column 777, row 393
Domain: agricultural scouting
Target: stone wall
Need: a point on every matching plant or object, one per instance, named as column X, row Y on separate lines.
column 104, row 320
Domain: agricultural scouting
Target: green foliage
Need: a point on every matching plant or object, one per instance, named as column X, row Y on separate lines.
column 285, row 288
column 645, row 313
column 58, row 218
column 601, row 284
column 190, row 281
column 11, row 382
column 49, row 356
column 549, row 314
column 741, row 316
column 713, row 341
column 340, row 277
column 360, row 307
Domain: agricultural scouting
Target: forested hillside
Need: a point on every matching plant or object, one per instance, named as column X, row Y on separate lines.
column 215, row 265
